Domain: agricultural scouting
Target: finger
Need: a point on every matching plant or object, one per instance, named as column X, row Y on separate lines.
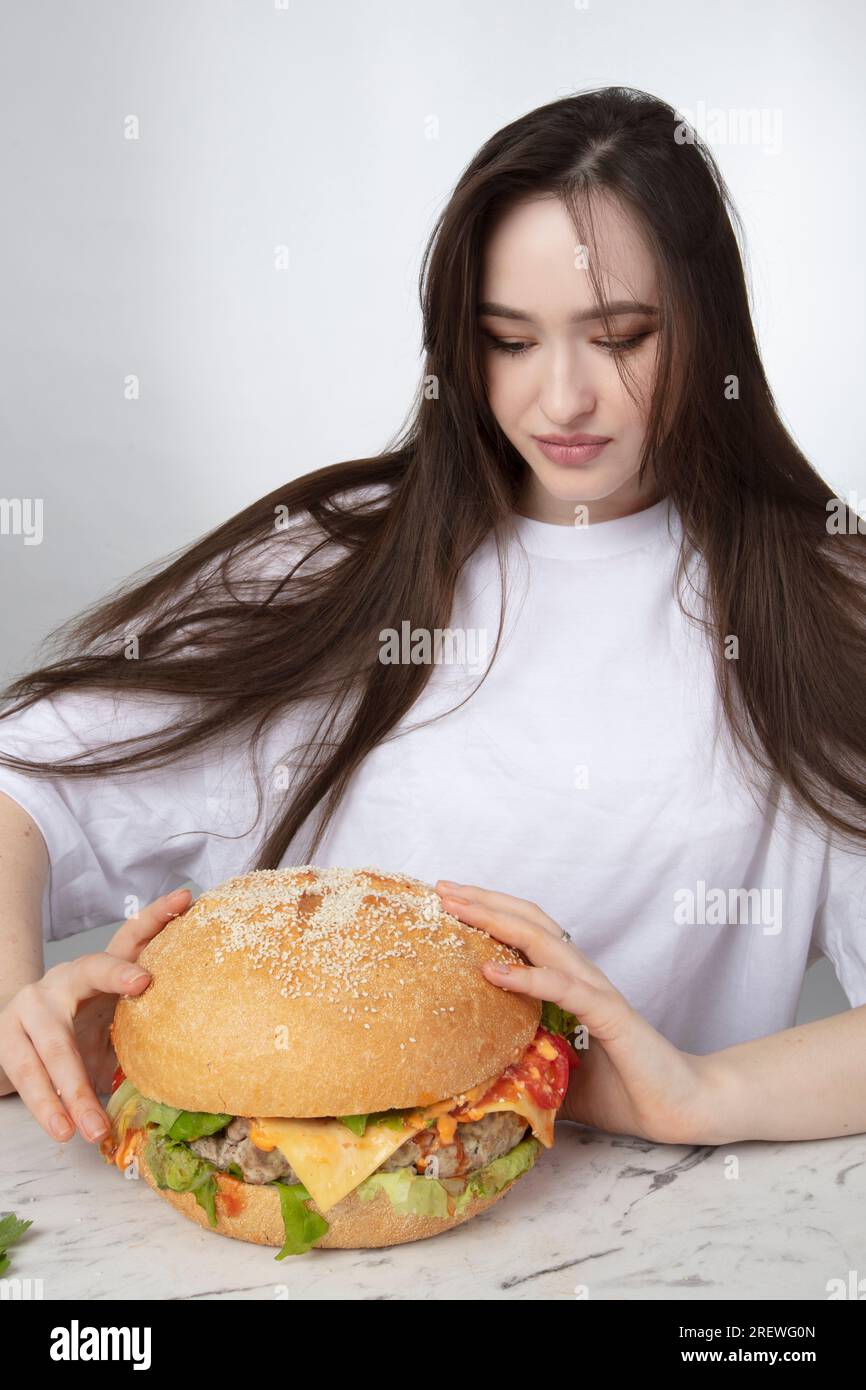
column 521, row 907
column 538, row 981
column 538, row 945
column 130, row 938
column 38, row 1086
column 89, row 975
column 603, row 1012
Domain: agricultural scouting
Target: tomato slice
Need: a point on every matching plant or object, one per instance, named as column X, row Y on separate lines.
column 117, row 1079
column 545, row 1078
column 573, row 1057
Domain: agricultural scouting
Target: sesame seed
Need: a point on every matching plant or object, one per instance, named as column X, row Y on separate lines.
column 333, row 933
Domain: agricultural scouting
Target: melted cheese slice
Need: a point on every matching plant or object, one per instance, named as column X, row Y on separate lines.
column 328, row 1158
column 540, row 1120
column 331, row 1161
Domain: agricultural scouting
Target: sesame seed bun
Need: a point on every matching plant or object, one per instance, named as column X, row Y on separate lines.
column 252, row 1212
column 317, row 992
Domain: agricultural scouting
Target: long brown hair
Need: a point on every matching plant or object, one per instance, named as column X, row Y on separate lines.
column 751, row 505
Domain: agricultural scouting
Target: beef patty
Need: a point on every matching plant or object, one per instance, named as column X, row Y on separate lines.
column 475, row 1143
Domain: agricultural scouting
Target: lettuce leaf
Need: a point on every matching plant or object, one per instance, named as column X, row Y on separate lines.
column 302, row 1227
column 163, row 1116
column 493, row 1177
column 196, row 1124
column 413, row 1195
column 127, row 1109
column 408, row 1192
column 119, row 1098
column 356, row 1123
column 175, row 1166
column 394, row 1119
column 184, row 1124
column 557, row 1020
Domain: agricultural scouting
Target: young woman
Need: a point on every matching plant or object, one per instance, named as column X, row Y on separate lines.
column 646, row 761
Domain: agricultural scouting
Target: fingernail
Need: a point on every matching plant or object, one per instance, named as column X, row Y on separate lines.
column 133, row 977
column 448, row 882
column 500, row 969
column 93, row 1125
column 60, row 1127
column 454, row 898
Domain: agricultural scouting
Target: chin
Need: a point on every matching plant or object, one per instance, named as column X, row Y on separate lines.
column 581, row 484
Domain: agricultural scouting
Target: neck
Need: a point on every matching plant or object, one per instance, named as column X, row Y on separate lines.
column 538, row 504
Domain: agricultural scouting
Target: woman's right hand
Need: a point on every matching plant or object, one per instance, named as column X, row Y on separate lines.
column 54, row 1041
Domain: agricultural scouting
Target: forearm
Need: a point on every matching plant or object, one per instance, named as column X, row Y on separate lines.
column 807, row 1082
column 23, row 873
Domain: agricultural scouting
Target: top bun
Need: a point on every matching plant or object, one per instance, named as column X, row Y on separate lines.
column 308, row 992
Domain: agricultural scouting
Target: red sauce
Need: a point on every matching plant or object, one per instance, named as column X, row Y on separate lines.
column 231, row 1194
column 544, row 1077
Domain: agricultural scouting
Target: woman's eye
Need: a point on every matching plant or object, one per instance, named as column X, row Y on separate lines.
column 513, row 349
column 516, row 348
column 622, row 344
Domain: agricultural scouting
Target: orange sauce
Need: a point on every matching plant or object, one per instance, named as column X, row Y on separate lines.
column 260, row 1140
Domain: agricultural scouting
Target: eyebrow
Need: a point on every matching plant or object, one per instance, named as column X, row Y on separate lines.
column 618, row 306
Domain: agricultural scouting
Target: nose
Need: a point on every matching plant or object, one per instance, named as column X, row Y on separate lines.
column 567, row 392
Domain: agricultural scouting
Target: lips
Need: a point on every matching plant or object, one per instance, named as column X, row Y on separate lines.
column 575, row 450
column 568, row 439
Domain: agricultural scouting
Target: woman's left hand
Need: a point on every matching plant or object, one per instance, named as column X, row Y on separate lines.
column 630, row 1080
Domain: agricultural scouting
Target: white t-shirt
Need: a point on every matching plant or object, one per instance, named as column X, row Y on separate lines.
column 591, row 773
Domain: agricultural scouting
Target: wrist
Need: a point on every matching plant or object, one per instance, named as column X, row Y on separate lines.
column 717, row 1113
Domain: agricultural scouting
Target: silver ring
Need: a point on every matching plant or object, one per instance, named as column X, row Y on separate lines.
column 564, row 935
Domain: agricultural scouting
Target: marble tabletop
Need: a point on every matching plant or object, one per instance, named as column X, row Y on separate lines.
column 598, row 1217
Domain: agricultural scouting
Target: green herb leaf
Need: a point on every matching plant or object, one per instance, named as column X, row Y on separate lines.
column 11, row 1229
column 356, row 1123
column 557, row 1020
column 302, row 1227
column 394, row 1119
column 196, row 1124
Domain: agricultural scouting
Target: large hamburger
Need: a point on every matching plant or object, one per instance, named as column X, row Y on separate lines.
column 319, row 1061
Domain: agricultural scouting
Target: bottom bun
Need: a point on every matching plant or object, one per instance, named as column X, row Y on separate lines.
column 251, row 1211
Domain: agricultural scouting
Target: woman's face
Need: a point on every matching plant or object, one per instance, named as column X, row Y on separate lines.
column 549, row 367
